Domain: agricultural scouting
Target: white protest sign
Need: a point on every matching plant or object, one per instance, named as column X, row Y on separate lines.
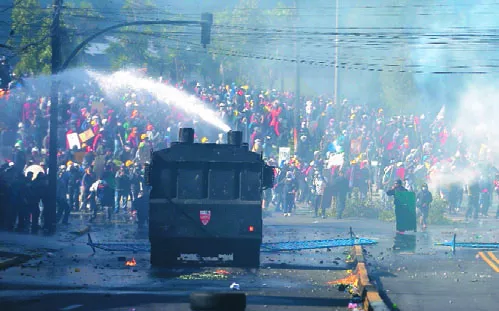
column 284, row 154
column 73, row 140
column 336, row 159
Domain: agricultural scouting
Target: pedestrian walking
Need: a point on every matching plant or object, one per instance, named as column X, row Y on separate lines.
column 289, row 191
column 319, row 187
column 341, row 187
column 423, row 201
column 63, row 208
column 473, row 191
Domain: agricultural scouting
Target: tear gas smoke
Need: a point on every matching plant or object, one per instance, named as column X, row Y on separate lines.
column 477, row 120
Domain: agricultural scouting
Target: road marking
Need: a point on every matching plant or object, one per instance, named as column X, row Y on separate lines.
column 494, row 258
column 489, row 262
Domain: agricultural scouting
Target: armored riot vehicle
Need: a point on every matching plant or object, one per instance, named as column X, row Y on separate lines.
column 206, row 203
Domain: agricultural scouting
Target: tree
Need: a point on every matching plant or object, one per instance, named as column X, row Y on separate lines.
column 228, row 40
column 31, row 37
column 134, row 47
column 31, row 29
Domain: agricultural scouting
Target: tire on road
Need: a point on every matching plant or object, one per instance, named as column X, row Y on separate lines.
column 162, row 256
column 247, row 255
column 229, row 301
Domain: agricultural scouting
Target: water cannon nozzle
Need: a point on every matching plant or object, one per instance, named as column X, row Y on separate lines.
column 235, row 138
column 186, row 135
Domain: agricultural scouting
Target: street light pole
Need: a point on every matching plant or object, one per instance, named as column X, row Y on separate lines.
column 298, row 95
column 50, row 206
column 336, row 58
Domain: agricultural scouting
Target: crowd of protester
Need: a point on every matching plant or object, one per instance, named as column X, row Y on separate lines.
column 337, row 150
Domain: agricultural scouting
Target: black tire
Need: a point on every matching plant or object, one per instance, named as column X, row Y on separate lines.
column 162, row 256
column 230, row 301
column 248, row 256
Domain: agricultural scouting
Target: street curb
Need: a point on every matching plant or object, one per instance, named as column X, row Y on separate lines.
column 371, row 299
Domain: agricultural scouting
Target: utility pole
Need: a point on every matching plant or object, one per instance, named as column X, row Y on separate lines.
column 336, row 58
column 50, row 209
column 298, row 95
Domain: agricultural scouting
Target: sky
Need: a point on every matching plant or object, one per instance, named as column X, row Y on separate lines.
column 378, row 38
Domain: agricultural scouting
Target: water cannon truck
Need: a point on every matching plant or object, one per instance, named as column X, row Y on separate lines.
column 205, row 204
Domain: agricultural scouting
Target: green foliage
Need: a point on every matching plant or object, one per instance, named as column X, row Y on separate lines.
column 437, row 213
column 157, row 48
column 132, row 49
column 387, row 215
column 31, row 37
column 31, row 28
column 355, row 207
column 163, row 50
column 376, row 209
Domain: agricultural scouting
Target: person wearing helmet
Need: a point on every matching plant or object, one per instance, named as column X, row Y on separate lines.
column 423, row 201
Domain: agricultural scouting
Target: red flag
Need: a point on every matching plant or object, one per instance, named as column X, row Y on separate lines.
column 400, row 172
column 390, row 145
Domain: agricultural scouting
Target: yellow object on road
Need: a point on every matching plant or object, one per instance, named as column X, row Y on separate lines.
column 493, row 262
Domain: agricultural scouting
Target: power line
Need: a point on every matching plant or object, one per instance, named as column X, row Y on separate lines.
column 323, row 63
column 383, row 43
column 352, row 56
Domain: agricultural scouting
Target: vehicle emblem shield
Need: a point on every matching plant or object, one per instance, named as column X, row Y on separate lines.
column 205, row 217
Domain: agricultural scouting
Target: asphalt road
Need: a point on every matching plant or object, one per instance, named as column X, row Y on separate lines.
column 412, row 273
column 425, row 277
column 69, row 277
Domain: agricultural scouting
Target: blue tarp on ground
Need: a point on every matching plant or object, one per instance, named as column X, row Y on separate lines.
column 266, row 247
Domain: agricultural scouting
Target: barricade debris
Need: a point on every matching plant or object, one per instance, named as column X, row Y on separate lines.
column 234, row 286
column 208, row 275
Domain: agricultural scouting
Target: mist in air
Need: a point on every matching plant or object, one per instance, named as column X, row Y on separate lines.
column 114, row 85
column 125, row 80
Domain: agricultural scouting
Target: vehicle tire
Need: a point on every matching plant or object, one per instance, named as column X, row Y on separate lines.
column 155, row 256
column 162, row 256
column 248, row 256
column 229, row 301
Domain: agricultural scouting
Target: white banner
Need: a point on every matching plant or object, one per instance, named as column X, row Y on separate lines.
column 336, row 159
column 73, row 140
column 284, row 154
